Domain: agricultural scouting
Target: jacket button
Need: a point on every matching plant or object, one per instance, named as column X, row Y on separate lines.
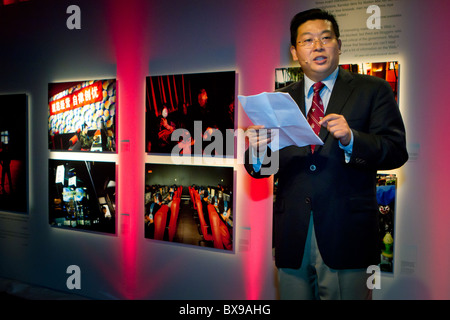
column 312, row 167
column 308, row 200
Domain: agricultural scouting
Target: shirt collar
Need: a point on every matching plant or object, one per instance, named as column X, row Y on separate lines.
column 328, row 81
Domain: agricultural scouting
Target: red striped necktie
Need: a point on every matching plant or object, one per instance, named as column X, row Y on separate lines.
column 316, row 113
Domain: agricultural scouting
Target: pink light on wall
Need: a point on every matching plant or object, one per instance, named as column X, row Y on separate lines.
column 436, row 183
column 258, row 53
column 128, row 22
column 257, row 261
column 429, row 112
column 437, row 255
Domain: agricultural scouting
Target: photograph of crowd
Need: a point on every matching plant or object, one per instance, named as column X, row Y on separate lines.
column 82, row 116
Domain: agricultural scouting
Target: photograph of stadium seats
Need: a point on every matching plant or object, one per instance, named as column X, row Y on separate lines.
column 191, row 205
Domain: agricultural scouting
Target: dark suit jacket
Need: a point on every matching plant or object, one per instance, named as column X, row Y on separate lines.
column 342, row 196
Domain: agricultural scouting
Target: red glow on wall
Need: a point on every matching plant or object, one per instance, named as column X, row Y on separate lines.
column 127, row 19
column 429, row 112
column 435, row 195
column 258, row 259
column 256, row 61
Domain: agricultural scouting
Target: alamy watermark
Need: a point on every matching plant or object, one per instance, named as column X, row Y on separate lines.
column 374, row 280
column 213, row 147
column 74, row 20
column 74, row 280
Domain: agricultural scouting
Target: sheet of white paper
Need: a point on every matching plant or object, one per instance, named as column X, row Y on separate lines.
column 277, row 110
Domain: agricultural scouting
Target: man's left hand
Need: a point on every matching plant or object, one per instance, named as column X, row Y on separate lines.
column 338, row 127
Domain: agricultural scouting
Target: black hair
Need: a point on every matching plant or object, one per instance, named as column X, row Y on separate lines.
column 312, row 14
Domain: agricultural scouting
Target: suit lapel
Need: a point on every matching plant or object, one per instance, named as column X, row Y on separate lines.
column 298, row 94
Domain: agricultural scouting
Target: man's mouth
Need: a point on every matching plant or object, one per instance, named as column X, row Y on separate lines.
column 320, row 59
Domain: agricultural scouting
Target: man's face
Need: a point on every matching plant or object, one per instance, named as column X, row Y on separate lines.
column 318, row 61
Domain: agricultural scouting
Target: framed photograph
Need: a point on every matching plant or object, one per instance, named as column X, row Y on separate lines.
column 192, row 205
column 386, row 196
column 185, row 112
column 82, row 116
column 82, row 195
column 14, row 153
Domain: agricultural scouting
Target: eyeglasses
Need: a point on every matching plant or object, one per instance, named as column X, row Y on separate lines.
column 326, row 41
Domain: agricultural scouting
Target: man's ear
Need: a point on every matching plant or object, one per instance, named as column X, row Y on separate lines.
column 294, row 53
column 340, row 45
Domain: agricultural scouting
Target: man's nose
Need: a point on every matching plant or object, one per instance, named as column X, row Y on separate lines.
column 319, row 46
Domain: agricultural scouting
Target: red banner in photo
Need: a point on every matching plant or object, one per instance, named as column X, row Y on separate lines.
column 80, row 98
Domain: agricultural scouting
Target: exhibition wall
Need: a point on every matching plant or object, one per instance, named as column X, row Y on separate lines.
column 131, row 40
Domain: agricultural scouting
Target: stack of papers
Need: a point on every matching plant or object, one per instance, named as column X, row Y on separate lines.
column 277, row 110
